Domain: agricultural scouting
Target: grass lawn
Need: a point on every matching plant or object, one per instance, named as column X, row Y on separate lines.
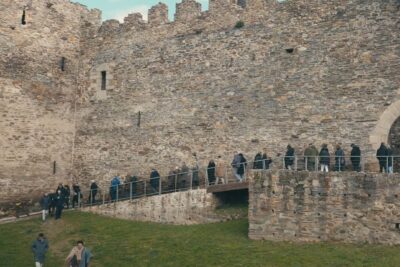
column 117, row 243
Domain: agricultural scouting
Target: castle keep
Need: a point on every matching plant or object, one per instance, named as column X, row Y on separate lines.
column 83, row 99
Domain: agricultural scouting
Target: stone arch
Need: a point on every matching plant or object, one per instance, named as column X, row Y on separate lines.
column 382, row 129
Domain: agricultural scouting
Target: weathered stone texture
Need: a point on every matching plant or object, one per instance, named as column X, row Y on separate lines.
column 305, row 71
column 303, row 206
column 298, row 71
column 190, row 207
column 36, row 96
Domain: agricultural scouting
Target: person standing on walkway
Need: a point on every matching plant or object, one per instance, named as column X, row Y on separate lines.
column 289, row 157
column 235, row 166
column 220, row 171
column 310, row 157
column 59, row 201
column 324, row 158
column 339, row 159
column 242, row 167
column 45, row 204
column 39, row 249
column 355, row 157
column 382, row 156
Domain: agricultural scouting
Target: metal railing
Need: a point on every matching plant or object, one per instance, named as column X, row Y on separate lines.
column 209, row 176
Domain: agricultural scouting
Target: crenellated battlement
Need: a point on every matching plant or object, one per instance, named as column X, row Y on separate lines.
column 158, row 15
column 187, row 10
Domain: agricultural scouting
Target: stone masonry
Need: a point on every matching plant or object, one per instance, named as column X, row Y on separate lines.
column 299, row 71
column 313, row 207
column 190, row 207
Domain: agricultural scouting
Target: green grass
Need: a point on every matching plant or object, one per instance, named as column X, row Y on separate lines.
column 124, row 243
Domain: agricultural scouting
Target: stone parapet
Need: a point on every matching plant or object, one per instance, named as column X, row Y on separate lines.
column 312, row 207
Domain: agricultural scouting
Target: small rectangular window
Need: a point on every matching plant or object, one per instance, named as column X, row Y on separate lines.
column 62, row 64
column 103, row 80
column 23, row 20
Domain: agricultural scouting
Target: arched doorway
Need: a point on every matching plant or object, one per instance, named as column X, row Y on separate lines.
column 394, row 142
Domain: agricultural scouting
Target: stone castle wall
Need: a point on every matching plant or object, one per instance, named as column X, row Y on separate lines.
column 190, row 207
column 36, row 96
column 297, row 72
column 313, row 207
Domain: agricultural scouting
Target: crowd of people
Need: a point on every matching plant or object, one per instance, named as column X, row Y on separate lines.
column 79, row 256
column 217, row 172
column 54, row 203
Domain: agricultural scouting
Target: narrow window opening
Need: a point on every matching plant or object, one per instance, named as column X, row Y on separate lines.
column 139, row 118
column 103, row 80
column 289, row 50
column 62, row 64
column 23, row 19
column 241, row 3
column 54, row 167
column 397, row 225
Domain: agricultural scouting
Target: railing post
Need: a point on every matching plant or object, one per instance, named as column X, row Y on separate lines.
column 295, row 163
column 387, row 164
column 91, row 197
column 159, row 185
column 104, row 197
column 79, row 199
column 116, row 200
column 206, row 178
column 226, row 176
column 130, row 191
column 191, row 180
column 316, row 163
column 176, row 181
column 145, row 187
column 306, row 163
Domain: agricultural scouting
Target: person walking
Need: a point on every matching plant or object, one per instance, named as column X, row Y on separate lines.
column 355, row 157
column 59, row 202
column 258, row 162
column 79, row 256
column 39, row 248
column 339, row 159
column 242, row 167
column 77, row 198
column 154, row 180
column 324, row 158
column 93, row 192
column 211, row 172
column 220, row 171
column 115, row 182
column 310, row 157
column 45, row 204
column 235, row 166
column 382, row 156
column 289, row 157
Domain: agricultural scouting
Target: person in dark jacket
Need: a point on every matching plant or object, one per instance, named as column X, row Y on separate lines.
column 266, row 161
column 324, row 158
column 183, row 176
column 355, row 157
column 340, row 161
column 235, row 166
column 289, row 157
column 77, row 195
column 154, row 180
column 93, row 192
column 258, row 161
column 59, row 201
column 45, row 204
column 39, row 248
column 382, row 156
column 242, row 167
column 211, row 172
column 173, row 179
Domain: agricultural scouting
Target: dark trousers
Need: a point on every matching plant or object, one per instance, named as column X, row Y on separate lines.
column 356, row 166
column 58, row 212
column 382, row 167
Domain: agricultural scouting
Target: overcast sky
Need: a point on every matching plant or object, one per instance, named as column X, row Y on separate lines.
column 118, row 9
